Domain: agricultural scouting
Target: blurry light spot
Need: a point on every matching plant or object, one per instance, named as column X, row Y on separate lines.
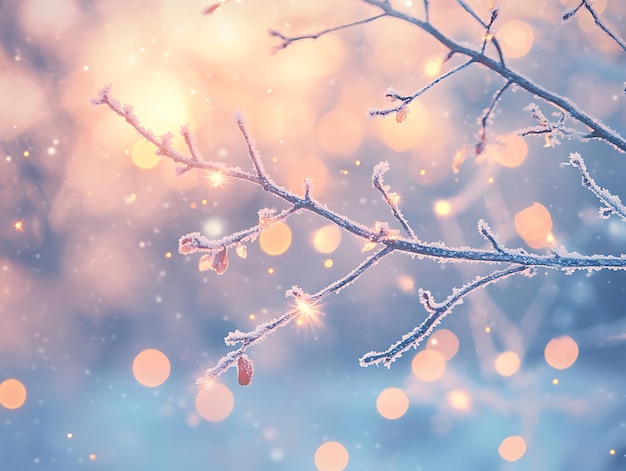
column 433, row 67
column 445, row 342
column 331, row 456
column 611, row 451
column 327, row 238
column 512, row 448
column 509, row 150
column 490, row 180
column 19, row 226
column 459, row 400
column 92, row 457
column 275, row 240
column 143, row 155
column 270, row 270
column 516, row 37
column 339, row 132
column 411, row 134
column 442, row 208
column 555, row 381
column 561, row 352
column 328, row 263
column 252, row 317
column 193, row 205
column 357, row 162
column 507, row 363
column 216, row 179
column 12, row 394
column 214, row 402
column 405, row 283
column 392, row 403
column 69, row 435
column 168, row 254
column 487, row 329
column 428, row 365
column 533, row 224
column 151, row 368
column 26, row 154
column 213, row 228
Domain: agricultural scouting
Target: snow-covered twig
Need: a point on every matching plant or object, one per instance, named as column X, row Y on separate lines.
column 598, row 130
column 381, row 234
column 613, row 204
column 589, row 7
column 436, row 313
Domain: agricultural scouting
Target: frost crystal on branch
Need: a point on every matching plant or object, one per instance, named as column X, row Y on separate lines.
column 384, row 238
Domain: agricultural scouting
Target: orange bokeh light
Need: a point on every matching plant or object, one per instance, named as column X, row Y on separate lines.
column 276, row 240
column 331, row 456
column 516, row 38
column 327, row 238
column 459, row 400
column 445, row 342
column 392, row 403
column 151, row 368
column 507, row 363
column 512, row 448
column 12, row 393
column 534, row 225
column 214, row 402
column 428, row 365
column 561, row 352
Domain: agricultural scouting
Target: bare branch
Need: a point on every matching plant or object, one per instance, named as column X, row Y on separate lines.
column 588, row 5
column 436, row 313
column 613, row 204
column 287, row 40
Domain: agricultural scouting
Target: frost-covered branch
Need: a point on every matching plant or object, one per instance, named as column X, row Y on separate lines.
column 597, row 130
column 381, row 234
column 596, row 18
column 436, row 313
column 612, row 203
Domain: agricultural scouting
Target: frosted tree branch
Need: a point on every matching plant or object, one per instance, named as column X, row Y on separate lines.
column 436, row 313
column 613, row 204
column 598, row 130
column 589, row 7
column 518, row 259
column 380, row 235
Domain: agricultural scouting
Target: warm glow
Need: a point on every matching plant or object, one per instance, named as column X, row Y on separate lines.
column 428, row 365
column 151, row 367
column 308, row 313
column 408, row 135
column 339, row 133
column 214, row 402
column 307, row 166
column 507, row 363
column 392, row 403
column 516, row 38
column 331, row 456
column 216, row 179
column 92, row 457
column 442, row 208
column 275, row 240
column 327, row 239
column 12, row 394
column 22, row 103
column 509, row 150
column 19, row 226
column 144, row 155
column 459, row 400
column 328, row 263
column 561, row 352
column 445, row 342
column 512, row 448
column 433, row 67
column 405, row 283
column 533, row 224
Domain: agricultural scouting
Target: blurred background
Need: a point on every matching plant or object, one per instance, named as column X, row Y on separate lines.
column 104, row 327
